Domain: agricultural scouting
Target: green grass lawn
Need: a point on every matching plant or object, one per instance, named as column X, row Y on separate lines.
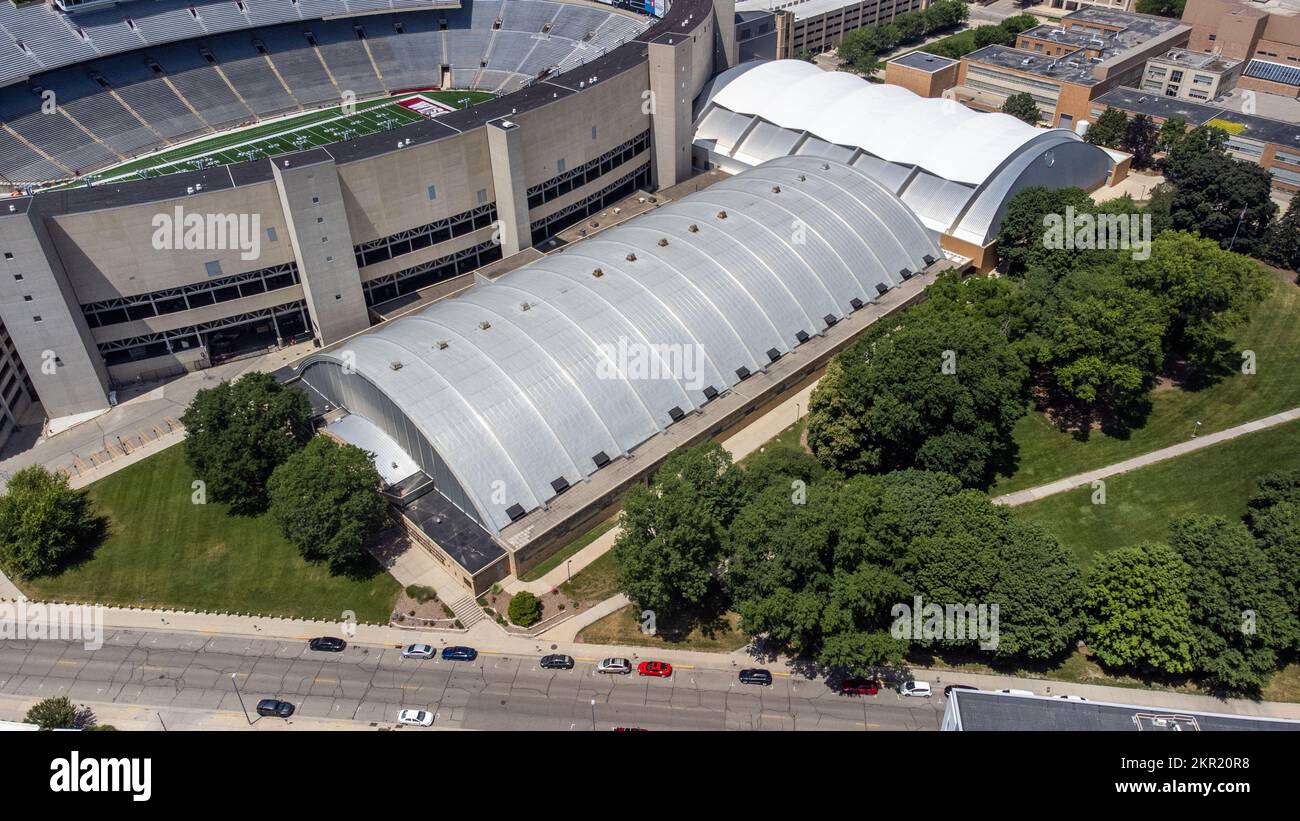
column 164, row 551
column 1139, row 505
column 1047, row 454
column 622, row 627
column 594, row 583
column 567, row 552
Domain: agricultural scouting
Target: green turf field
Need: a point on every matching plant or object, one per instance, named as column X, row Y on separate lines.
column 284, row 136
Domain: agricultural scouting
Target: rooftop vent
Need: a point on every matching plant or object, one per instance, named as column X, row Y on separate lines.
column 802, row 336
column 776, row 189
column 676, row 413
column 395, row 365
column 597, row 273
column 882, row 288
column 856, row 303
column 693, row 228
column 442, row 344
column 631, row 256
column 905, row 273
column 773, row 354
column 929, row 260
column 742, row 373
column 600, row 459
column 722, row 215
column 830, row 319
column 515, row 512
column 484, row 325
column 560, row 485
column 523, row 306
column 710, row 393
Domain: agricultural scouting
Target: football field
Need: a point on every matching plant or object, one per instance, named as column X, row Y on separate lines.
column 289, row 134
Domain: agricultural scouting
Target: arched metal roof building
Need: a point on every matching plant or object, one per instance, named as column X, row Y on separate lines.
column 522, row 386
column 955, row 167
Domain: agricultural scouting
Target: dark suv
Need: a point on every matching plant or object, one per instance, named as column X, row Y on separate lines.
column 762, row 677
column 274, row 708
column 557, row 661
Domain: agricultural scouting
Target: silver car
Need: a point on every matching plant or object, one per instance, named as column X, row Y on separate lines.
column 620, row 666
column 418, row 651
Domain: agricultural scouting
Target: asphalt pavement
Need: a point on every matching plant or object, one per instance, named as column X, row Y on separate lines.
column 177, row 677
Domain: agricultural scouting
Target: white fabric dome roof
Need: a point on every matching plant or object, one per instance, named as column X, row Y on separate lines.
column 941, row 136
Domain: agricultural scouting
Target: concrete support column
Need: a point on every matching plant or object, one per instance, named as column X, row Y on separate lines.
column 671, row 84
column 43, row 316
column 506, row 152
column 312, row 201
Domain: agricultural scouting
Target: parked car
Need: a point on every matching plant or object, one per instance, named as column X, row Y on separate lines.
column 557, row 661
column 1011, row 692
column 418, row 651
column 859, row 687
column 327, row 644
column 274, row 707
column 620, row 666
column 459, row 654
column 947, row 691
column 419, row 718
column 1073, row 698
column 914, row 689
column 662, row 669
column 756, row 676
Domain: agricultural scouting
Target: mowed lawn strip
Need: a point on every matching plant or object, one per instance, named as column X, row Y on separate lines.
column 622, row 627
column 1139, row 505
column 164, row 551
column 1047, row 454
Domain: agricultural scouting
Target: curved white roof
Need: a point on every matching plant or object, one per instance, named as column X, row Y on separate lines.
column 526, row 384
column 941, row 136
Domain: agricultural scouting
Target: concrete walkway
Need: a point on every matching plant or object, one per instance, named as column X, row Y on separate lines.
column 751, row 439
column 1033, row 494
column 489, row 640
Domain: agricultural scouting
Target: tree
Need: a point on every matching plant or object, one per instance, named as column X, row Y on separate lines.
column 926, row 390
column 237, row 433
column 668, row 549
column 326, row 500
column 1022, row 107
column 1206, row 292
column 1274, row 520
column 1109, row 129
column 1281, row 244
column 1239, row 620
column 1163, row 8
column 1224, row 199
column 525, row 609
column 993, row 36
column 708, row 469
column 1137, row 611
column 55, row 713
column 44, row 523
column 1172, row 132
column 910, row 26
column 1023, row 236
column 1105, row 347
column 1017, row 23
column 1140, row 140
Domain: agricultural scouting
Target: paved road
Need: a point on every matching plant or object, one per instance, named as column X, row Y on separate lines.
column 177, row 674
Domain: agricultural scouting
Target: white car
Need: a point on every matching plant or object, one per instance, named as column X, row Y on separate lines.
column 419, row 718
column 915, row 689
column 620, row 666
column 418, row 651
column 1013, row 692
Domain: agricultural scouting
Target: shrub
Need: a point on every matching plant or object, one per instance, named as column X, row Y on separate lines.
column 525, row 609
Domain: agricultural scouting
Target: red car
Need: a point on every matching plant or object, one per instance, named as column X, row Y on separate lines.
column 655, row 668
column 860, row 687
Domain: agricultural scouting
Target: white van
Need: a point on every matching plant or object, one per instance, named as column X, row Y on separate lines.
column 914, row 689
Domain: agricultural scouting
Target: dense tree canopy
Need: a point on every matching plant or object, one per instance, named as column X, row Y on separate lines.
column 1222, row 198
column 1109, row 129
column 928, row 390
column 1137, row 610
column 326, row 500
column 44, row 523
column 238, row 432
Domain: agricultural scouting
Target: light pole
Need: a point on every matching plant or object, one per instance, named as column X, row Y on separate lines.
column 235, row 683
column 568, row 569
column 593, row 715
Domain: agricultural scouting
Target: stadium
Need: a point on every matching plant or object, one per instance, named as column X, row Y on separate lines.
column 471, row 207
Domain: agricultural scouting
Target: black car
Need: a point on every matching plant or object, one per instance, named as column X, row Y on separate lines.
column 459, row 654
column 557, row 661
column 763, row 677
column 274, row 707
column 947, row 691
column 327, row 644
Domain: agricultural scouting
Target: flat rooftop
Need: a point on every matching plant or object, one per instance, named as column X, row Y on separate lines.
column 1254, row 127
column 1183, row 58
column 1077, row 67
column 980, row 710
column 921, row 61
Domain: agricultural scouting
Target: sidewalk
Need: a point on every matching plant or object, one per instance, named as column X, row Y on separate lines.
column 489, row 640
column 1033, row 494
column 748, row 440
